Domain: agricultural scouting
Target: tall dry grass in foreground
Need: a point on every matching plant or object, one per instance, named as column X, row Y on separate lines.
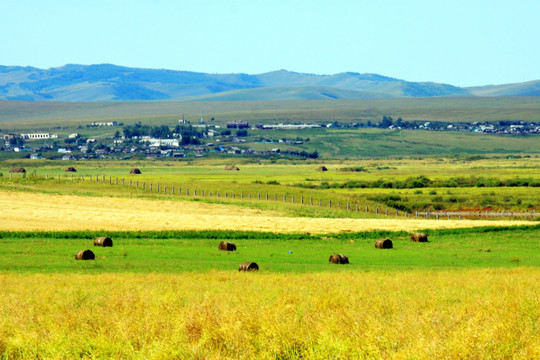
column 475, row 314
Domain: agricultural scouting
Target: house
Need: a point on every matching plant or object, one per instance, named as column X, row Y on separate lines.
column 35, row 156
column 109, row 123
column 73, row 136
column 36, row 136
column 68, row 157
column 237, row 125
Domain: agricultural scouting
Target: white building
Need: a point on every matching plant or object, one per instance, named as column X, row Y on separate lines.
column 109, row 123
column 38, row 136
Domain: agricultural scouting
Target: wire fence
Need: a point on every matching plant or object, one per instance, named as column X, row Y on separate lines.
column 298, row 199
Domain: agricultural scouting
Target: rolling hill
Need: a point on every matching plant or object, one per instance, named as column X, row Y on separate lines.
column 530, row 88
column 106, row 82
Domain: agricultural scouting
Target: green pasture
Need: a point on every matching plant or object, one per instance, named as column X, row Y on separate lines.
column 351, row 143
column 291, row 179
column 179, row 252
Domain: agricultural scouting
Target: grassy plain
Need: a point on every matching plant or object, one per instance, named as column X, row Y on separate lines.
column 47, row 115
column 468, row 293
column 196, row 251
column 417, row 314
column 295, row 178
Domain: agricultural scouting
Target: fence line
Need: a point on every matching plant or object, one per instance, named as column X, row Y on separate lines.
column 355, row 207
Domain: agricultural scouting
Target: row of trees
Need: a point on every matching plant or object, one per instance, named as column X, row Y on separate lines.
column 189, row 134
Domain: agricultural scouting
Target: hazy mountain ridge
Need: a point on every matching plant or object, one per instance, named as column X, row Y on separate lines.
column 107, row 82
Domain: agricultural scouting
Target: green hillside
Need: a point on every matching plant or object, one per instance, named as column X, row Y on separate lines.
column 290, row 93
column 531, row 88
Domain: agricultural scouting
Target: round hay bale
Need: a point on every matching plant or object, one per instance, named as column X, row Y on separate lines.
column 419, row 237
column 231, row 167
column 135, row 171
column 103, row 241
column 338, row 259
column 85, row 255
column 384, row 244
column 71, row 169
column 248, row 266
column 17, row 170
column 227, row 246
column 322, row 168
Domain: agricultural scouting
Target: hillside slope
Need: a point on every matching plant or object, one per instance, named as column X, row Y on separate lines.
column 106, row 82
column 530, row 88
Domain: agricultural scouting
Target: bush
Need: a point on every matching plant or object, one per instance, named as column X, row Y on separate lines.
column 438, row 206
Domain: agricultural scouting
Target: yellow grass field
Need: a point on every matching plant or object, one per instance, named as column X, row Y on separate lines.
column 465, row 314
column 23, row 211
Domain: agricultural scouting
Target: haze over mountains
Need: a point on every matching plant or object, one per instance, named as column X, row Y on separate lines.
column 106, row 82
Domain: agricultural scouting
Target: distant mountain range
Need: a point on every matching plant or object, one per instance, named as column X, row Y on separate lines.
column 106, row 82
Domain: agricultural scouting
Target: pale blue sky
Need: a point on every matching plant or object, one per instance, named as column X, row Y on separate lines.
column 473, row 42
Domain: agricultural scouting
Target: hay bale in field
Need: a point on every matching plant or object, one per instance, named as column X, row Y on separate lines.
column 248, row 266
column 135, row 171
column 71, row 169
column 384, row 244
column 231, row 167
column 17, row 170
column 227, row 246
column 85, row 255
column 419, row 237
column 322, row 168
column 103, row 241
column 338, row 259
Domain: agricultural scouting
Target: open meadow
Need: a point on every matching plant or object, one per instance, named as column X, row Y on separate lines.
column 164, row 290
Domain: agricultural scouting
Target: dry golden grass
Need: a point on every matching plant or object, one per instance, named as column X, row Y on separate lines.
column 472, row 314
column 47, row 212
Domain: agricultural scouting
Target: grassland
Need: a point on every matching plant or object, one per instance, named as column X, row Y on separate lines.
column 162, row 293
column 465, row 294
column 298, row 179
column 196, row 251
column 476, row 314
column 56, row 114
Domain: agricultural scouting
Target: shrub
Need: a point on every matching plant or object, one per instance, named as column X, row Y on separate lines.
column 438, row 206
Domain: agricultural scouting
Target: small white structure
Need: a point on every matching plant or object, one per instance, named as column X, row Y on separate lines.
column 108, row 123
column 39, row 136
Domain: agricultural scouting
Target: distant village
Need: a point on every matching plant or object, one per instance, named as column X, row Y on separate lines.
column 201, row 139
